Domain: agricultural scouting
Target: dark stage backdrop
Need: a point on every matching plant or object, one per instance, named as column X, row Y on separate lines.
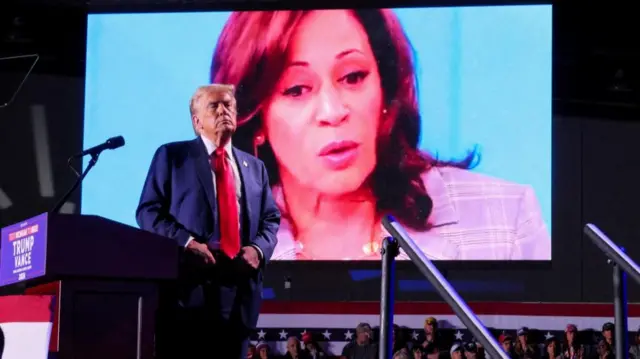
column 595, row 174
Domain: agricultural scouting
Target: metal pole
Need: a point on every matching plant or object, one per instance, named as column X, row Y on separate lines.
column 445, row 289
column 389, row 252
column 611, row 250
column 620, row 308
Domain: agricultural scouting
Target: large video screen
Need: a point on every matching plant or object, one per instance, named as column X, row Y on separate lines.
column 440, row 117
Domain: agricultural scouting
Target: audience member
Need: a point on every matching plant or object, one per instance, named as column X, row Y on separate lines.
column 294, row 349
column 634, row 346
column 263, row 351
column 312, row 348
column 523, row 348
column 362, row 347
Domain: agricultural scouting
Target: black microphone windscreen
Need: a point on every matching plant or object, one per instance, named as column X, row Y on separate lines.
column 115, row 142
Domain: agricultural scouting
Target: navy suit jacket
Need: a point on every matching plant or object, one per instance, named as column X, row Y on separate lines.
column 178, row 201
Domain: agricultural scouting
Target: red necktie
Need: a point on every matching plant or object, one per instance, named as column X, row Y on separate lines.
column 227, row 204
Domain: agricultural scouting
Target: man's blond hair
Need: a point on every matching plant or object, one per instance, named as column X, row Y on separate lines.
column 203, row 90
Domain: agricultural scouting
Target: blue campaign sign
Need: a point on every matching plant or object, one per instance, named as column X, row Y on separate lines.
column 23, row 250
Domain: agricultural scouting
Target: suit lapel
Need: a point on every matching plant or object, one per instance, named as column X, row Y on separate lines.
column 203, row 169
column 245, row 178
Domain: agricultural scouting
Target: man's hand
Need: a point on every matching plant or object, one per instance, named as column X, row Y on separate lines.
column 201, row 250
column 251, row 256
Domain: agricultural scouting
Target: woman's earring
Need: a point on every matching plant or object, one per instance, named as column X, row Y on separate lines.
column 258, row 141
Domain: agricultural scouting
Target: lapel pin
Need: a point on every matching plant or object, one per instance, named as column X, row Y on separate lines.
column 244, row 163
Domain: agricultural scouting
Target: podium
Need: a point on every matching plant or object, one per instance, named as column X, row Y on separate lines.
column 105, row 277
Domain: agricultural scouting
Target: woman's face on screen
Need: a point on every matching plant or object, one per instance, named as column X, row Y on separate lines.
column 323, row 116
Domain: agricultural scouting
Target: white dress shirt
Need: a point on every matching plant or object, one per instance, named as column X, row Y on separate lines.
column 228, row 150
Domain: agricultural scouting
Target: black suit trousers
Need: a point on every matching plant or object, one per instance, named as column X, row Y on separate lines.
column 212, row 330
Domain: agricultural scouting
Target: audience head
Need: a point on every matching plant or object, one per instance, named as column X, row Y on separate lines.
column 507, row 342
column 607, row 330
column 263, row 350
column 401, row 354
column 430, row 325
column 363, row 333
column 293, row 345
column 456, row 351
column 470, row 350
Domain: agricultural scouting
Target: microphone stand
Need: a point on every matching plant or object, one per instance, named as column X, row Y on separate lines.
column 61, row 202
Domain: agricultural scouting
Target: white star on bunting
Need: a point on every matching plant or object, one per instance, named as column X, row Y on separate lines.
column 348, row 335
column 261, row 334
column 327, row 334
column 548, row 336
column 414, row 335
column 283, row 334
column 458, row 335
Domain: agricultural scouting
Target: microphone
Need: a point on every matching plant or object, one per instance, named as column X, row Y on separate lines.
column 110, row 144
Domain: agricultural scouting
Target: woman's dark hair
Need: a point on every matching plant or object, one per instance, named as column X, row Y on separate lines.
column 251, row 54
column 575, row 344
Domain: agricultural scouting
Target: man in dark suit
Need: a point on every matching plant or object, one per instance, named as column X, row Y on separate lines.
column 215, row 202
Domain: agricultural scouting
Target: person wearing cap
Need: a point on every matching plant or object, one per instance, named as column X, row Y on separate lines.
column 431, row 332
column 480, row 352
column 456, row 351
column 506, row 340
column 570, row 337
column 263, row 351
column 571, row 347
column 361, row 347
column 523, row 348
column 311, row 347
column 470, row 350
column 607, row 334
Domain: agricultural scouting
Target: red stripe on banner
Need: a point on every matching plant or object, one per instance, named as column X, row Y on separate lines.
column 436, row 308
column 52, row 288
column 25, row 309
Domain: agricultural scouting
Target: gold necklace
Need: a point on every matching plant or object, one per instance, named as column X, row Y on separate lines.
column 371, row 248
